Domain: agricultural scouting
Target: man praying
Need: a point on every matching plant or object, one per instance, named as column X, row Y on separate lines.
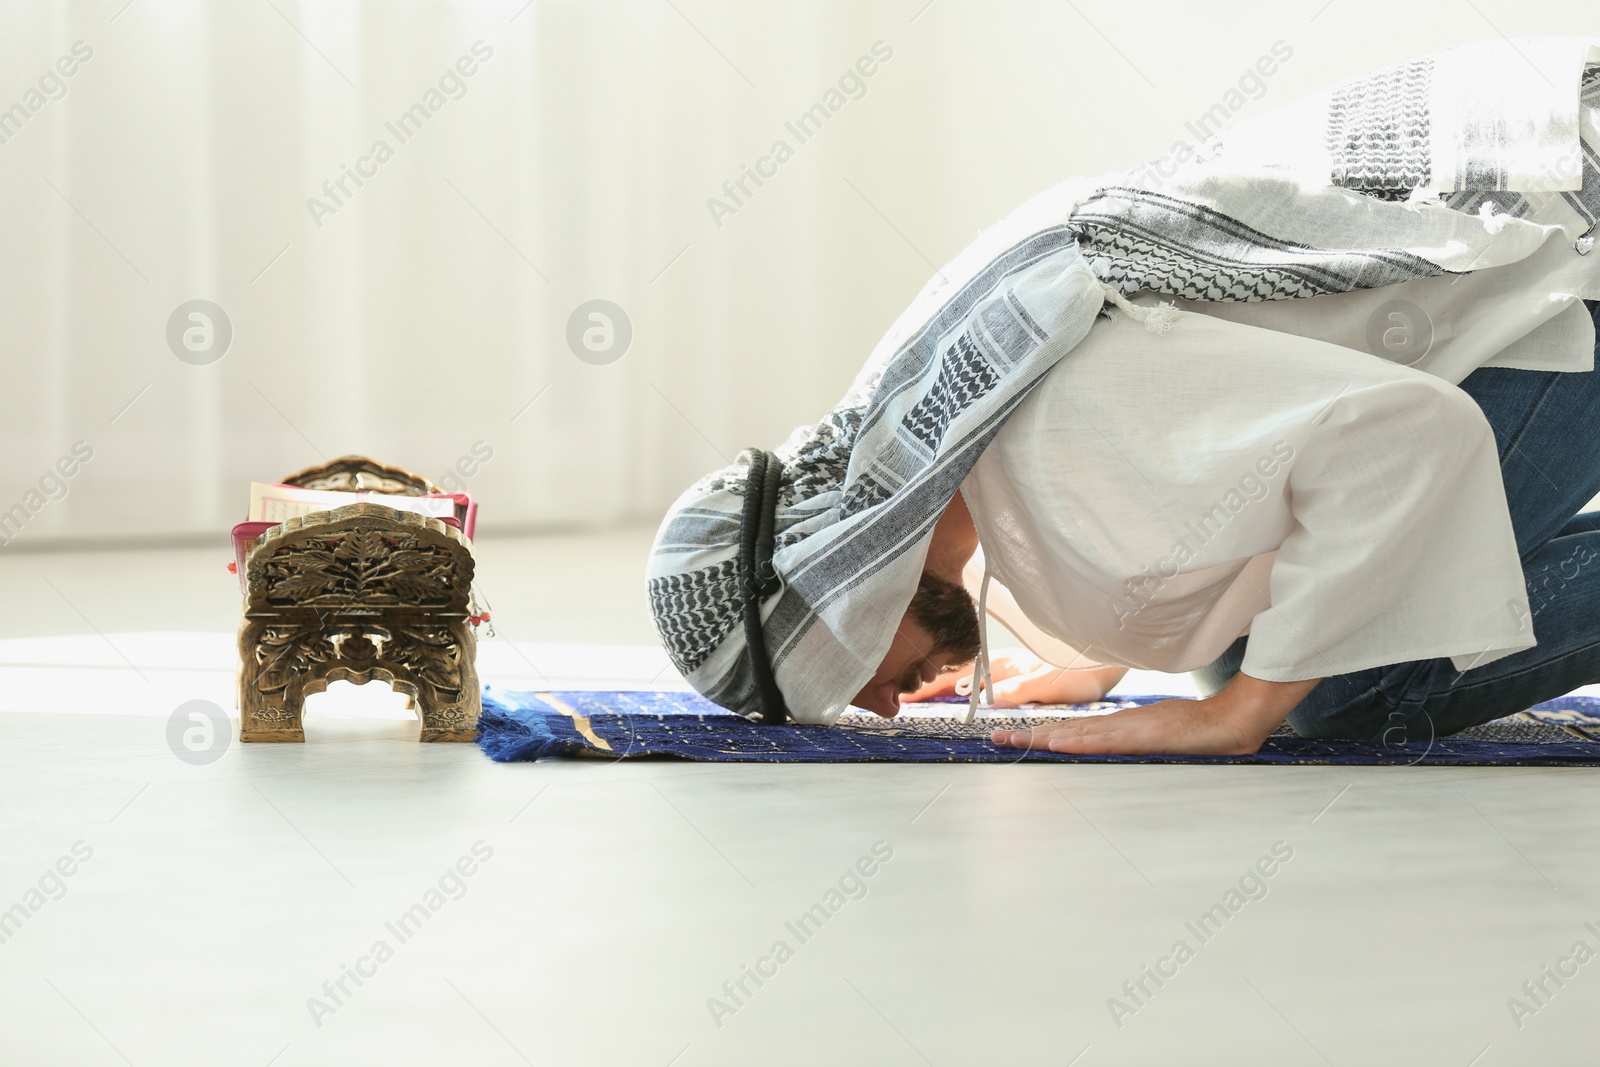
column 1315, row 420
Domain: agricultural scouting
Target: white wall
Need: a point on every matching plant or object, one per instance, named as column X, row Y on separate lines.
column 426, row 312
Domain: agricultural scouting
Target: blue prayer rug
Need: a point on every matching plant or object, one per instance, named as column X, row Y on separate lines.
column 634, row 725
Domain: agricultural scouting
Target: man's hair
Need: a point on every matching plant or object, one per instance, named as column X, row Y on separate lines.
column 947, row 612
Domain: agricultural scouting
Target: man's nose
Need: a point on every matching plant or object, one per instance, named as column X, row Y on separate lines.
column 882, row 700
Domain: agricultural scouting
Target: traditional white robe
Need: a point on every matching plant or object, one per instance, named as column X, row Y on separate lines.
column 1158, row 496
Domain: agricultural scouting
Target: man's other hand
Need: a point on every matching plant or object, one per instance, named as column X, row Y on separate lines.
column 1020, row 678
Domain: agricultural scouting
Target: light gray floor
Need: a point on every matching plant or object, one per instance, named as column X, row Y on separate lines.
column 617, row 899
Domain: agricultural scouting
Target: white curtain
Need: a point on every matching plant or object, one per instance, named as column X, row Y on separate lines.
column 421, row 311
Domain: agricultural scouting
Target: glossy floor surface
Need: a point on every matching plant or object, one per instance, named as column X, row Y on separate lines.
column 365, row 899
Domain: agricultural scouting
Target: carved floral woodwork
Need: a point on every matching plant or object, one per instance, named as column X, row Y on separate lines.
column 358, row 593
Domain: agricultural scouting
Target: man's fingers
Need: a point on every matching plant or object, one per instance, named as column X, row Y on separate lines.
column 1038, row 739
column 1044, row 738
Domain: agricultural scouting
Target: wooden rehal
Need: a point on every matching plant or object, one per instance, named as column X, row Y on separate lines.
column 358, row 593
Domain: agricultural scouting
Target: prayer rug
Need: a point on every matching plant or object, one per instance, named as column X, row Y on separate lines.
column 633, row 725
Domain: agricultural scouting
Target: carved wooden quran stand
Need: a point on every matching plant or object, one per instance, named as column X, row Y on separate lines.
column 358, row 593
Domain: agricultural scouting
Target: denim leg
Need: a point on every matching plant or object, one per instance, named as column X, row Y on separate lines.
column 1547, row 429
column 1428, row 699
column 1589, row 520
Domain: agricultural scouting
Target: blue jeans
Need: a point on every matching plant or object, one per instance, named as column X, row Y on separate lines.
column 1547, row 427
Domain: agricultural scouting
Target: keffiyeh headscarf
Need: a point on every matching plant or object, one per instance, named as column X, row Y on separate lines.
column 1462, row 161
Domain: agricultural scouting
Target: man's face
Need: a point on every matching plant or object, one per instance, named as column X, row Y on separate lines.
column 911, row 663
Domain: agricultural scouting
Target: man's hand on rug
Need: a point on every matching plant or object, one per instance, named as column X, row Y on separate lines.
column 1233, row 722
column 1169, row 727
column 1020, row 677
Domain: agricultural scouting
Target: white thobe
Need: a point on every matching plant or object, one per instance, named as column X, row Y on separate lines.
column 1156, row 497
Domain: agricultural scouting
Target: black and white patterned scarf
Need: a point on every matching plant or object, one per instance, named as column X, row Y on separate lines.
column 1391, row 189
